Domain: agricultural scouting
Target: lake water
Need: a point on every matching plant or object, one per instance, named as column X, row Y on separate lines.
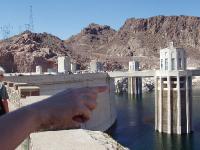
column 135, row 125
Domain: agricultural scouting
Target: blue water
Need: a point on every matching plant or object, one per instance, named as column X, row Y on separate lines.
column 135, row 125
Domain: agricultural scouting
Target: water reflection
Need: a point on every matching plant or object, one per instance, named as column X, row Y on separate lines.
column 138, row 106
column 133, row 121
column 173, row 142
column 135, row 125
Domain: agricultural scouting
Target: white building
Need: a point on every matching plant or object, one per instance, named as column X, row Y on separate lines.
column 64, row 64
column 73, row 67
column 173, row 92
column 133, row 65
column 172, row 58
column 38, row 69
column 95, row 66
column 134, row 83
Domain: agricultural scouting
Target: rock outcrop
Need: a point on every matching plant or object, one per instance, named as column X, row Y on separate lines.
column 72, row 140
column 137, row 37
column 21, row 53
column 145, row 37
column 90, row 39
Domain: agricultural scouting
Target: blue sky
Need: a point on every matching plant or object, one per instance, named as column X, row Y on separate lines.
column 64, row 18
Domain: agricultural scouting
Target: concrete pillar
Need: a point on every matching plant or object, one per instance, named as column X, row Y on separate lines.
column 188, row 103
column 156, row 103
column 173, row 102
column 138, row 86
column 134, row 83
column 38, row 69
column 131, row 85
column 178, row 106
column 134, row 86
column 93, row 66
column 169, row 105
column 64, row 64
column 160, row 105
column 73, row 67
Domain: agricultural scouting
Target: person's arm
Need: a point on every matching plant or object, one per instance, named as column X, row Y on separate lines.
column 5, row 105
column 64, row 110
column 5, row 98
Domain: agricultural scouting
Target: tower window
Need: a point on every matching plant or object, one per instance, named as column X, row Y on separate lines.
column 166, row 64
column 161, row 64
column 173, row 64
column 180, row 63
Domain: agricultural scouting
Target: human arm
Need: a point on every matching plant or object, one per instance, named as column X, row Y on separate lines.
column 64, row 110
column 5, row 98
column 5, row 105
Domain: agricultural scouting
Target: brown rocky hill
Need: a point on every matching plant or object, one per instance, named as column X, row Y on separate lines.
column 21, row 53
column 91, row 38
column 137, row 37
column 144, row 37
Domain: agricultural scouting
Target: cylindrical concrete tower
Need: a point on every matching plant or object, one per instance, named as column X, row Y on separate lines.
column 64, row 64
column 134, row 83
column 173, row 93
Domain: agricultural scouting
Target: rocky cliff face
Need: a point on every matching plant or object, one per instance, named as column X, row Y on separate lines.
column 145, row 37
column 137, row 37
column 23, row 52
column 91, row 38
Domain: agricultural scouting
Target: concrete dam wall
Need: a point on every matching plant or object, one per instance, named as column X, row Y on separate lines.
column 103, row 116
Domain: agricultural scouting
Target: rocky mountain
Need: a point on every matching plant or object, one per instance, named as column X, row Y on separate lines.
column 91, row 38
column 145, row 37
column 21, row 53
column 137, row 37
